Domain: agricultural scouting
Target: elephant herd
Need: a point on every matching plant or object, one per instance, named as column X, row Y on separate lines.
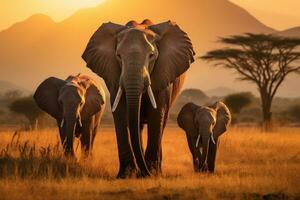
column 143, row 66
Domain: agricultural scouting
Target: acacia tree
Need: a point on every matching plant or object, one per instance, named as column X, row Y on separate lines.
column 263, row 59
column 294, row 113
column 236, row 102
column 27, row 107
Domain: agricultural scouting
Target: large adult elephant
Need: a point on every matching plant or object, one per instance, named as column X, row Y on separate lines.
column 203, row 126
column 77, row 104
column 143, row 66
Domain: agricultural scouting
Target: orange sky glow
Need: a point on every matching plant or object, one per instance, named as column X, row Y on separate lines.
column 277, row 14
column 12, row 11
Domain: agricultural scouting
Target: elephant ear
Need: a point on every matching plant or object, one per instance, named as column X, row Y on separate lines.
column 175, row 54
column 223, row 118
column 94, row 99
column 46, row 96
column 185, row 119
column 99, row 54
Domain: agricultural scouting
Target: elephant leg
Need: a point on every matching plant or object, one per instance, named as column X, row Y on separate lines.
column 211, row 158
column 86, row 138
column 196, row 154
column 62, row 133
column 161, row 154
column 157, row 120
column 97, row 119
column 153, row 156
column 127, row 165
column 93, row 137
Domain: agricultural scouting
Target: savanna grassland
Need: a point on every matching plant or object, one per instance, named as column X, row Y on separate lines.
column 250, row 165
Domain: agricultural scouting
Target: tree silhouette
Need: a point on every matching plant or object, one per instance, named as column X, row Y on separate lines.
column 265, row 60
column 294, row 112
column 27, row 107
column 236, row 102
column 12, row 95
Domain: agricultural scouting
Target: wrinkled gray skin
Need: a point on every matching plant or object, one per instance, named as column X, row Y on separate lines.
column 77, row 104
column 143, row 66
column 203, row 127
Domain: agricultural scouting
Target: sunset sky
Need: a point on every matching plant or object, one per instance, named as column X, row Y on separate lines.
column 17, row 10
column 279, row 14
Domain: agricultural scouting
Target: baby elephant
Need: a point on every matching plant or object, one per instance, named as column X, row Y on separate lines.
column 203, row 126
column 77, row 104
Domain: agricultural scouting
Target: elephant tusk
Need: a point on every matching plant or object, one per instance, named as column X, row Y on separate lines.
column 117, row 100
column 62, row 123
column 212, row 139
column 79, row 121
column 198, row 140
column 151, row 96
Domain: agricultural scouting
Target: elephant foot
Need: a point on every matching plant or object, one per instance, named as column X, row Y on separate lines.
column 86, row 155
column 86, row 158
column 204, row 169
column 196, row 165
column 127, row 171
column 141, row 174
column 154, row 167
column 196, row 170
column 69, row 154
column 211, row 169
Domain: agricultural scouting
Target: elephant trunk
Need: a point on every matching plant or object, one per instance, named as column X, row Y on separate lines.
column 70, row 129
column 134, row 87
column 205, row 138
column 70, row 120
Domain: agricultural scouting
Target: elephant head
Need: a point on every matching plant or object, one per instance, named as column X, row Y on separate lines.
column 203, row 126
column 69, row 101
column 136, row 59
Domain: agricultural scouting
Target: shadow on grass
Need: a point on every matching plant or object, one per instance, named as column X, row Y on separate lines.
column 25, row 160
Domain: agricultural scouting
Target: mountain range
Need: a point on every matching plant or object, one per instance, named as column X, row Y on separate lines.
column 6, row 86
column 38, row 47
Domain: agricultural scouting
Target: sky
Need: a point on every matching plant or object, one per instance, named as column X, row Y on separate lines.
column 278, row 14
column 17, row 10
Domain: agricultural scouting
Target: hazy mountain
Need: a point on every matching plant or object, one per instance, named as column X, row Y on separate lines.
column 292, row 32
column 38, row 47
column 192, row 95
column 220, row 92
column 189, row 95
column 6, row 86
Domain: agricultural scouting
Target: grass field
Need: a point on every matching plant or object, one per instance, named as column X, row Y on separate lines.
column 250, row 165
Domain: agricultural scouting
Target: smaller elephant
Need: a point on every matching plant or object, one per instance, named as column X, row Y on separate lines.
column 203, row 126
column 77, row 104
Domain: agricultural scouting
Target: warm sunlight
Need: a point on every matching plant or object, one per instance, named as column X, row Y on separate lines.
column 277, row 14
column 74, row 3
column 149, row 99
column 15, row 10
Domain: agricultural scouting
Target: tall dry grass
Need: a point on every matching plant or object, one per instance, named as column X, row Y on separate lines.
column 250, row 165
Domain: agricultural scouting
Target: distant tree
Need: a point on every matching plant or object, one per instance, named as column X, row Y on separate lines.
column 294, row 113
column 26, row 106
column 12, row 95
column 265, row 60
column 193, row 95
column 236, row 102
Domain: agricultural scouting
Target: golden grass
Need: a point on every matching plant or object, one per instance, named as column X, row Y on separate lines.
column 250, row 165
